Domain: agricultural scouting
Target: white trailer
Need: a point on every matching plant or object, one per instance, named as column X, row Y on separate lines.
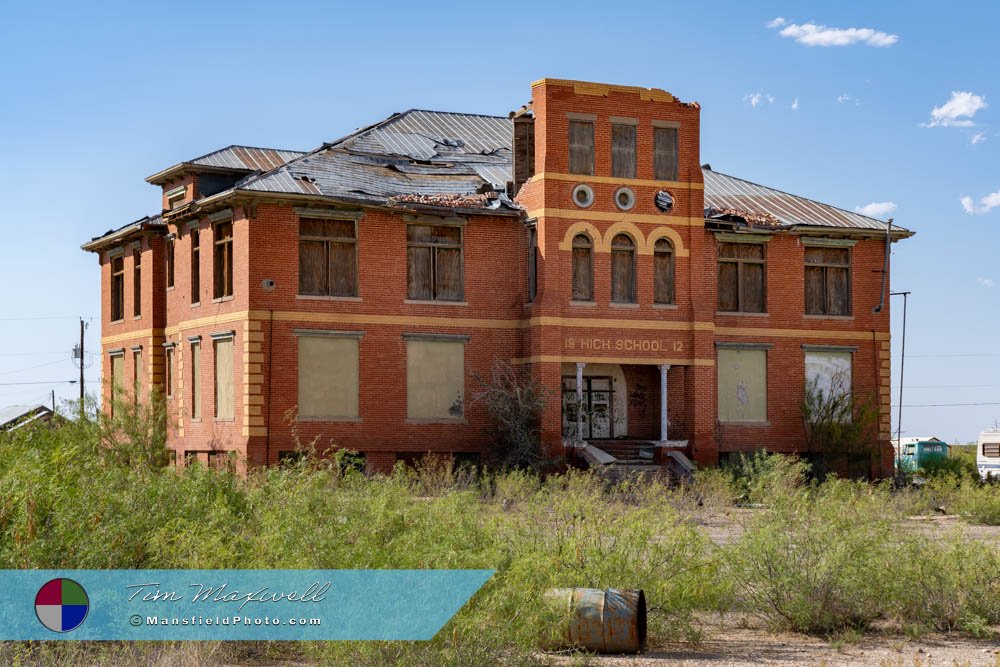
column 988, row 454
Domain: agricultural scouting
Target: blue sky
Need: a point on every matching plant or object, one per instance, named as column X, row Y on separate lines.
column 96, row 96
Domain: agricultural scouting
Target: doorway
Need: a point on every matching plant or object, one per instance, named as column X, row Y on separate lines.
column 598, row 408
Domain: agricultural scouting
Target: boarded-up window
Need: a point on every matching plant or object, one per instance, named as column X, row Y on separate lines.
column 829, row 372
column 435, row 379
column 328, row 376
column 222, row 264
column 328, row 257
column 665, row 153
column 221, row 461
column 622, row 269
column 168, row 376
column 581, row 147
column 170, row 263
column 741, row 277
column 117, row 288
column 828, row 281
column 434, row 263
column 532, row 262
column 223, row 378
column 136, row 371
column 623, row 151
column 137, row 283
column 524, row 151
column 195, row 380
column 742, row 375
column 583, row 268
column 663, row 272
column 195, row 267
column 117, row 378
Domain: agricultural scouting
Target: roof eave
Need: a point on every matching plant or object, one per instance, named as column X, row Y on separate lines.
column 896, row 233
column 119, row 236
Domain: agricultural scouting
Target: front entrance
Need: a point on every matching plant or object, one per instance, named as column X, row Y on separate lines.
column 597, row 408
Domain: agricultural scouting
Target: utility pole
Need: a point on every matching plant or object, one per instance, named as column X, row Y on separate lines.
column 53, row 401
column 82, row 357
column 902, row 366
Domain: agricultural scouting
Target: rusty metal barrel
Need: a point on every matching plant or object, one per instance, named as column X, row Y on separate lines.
column 605, row 621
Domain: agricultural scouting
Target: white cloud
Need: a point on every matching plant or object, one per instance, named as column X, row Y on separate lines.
column 776, row 23
column 795, row 104
column 985, row 282
column 876, row 209
column 812, row 34
column 978, row 138
column 957, row 111
column 756, row 99
column 986, row 204
column 843, row 98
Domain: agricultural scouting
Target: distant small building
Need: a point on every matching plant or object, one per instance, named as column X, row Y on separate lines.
column 15, row 416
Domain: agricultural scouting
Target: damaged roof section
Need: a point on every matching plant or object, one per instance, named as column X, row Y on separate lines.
column 232, row 159
column 126, row 232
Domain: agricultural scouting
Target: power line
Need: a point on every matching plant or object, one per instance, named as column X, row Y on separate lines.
column 955, row 354
column 948, row 405
column 12, row 384
column 46, row 317
column 21, row 370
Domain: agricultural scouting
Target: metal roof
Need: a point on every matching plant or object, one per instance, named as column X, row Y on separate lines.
column 15, row 416
column 724, row 193
column 231, row 158
column 113, row 235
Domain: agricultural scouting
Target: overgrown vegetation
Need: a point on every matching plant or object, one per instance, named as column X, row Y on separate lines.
column 815, row 557
column 840, row 431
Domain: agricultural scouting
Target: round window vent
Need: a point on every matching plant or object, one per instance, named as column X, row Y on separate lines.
column 664, row 201
column 583, row 195
column 624, row 198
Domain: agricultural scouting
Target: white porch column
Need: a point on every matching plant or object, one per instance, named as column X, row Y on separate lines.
column 579, row 400
column 663, row 401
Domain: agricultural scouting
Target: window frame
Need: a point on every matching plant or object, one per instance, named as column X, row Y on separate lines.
column 222, row 260
column 671, row 253
column 327, row 241
column 169, row 251
column 724, row 347
column 631, row 297
column 624, row 159
column 434, row 248
column 169, row 354
column 195, row 235
column 196, row 378
column 532, row 230
column 588, row 245
column 824, row 269
column 673, row 173
column 137, row 282
column 740, row 263
column 117, row 288
column 583, row 152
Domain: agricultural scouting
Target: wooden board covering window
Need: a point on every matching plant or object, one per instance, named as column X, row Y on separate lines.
column 583, row 268
column 222, row 264
column 328, row 377
column 117, row 378
column 524, row 151
column 224, row 378
column 168, row 378
column 328, row 257
column 829, row 372
column 136, row 371
column 741, row 284
column 117, row 288
column 828, row 281
column 581, row 147
column 663, row 272
column 665, row 153
column 742, row 376
column 137, row 283
column 435, row 379
column 195, row 267
column 434, row 263
column 170, row 262
column 623, row 151
column 195, row 380
column 622, row 269
column 532, row 262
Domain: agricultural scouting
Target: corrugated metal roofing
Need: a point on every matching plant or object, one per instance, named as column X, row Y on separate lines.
column 12, row 415
column 246, row 158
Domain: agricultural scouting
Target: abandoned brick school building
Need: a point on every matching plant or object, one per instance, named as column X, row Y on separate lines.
column 356, row 291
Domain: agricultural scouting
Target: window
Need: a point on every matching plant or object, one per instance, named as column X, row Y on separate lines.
column 176, row 197
column 223, row 378
column 741, row 277
column 170, row 263
column 434, row 263
column 583, row 268
column 195, row 380
column 991, row 449
column 625, row 198
column 328, row 258
column 435, row 377
column 742, row 375
column 136, row 371
column 829, row 371
column 665, row 153
column 328, row 375
column 663, row 272
column 195, row 267
column 117, row 378
column 137, row 283
column 223, row 260
column 532, row 263
column 622, row 151
column 117, row 288
column 583, row 195
column 168, row 375
column 622, row 269
column 828, row 281
column 221, row 461
column 581, row 147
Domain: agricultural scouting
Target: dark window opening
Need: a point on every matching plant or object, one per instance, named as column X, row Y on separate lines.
column 170, row 263
column 741, row 277
column 195, row 267
column 223, row 260
column 828, row 281
column 117, row 288
column 532, row 263
column 137, row 283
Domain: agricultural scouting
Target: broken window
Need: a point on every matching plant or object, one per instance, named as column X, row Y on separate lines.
column 137, row 283
column 435, row 379
column 328, row 376
column 665, row 153
column 623, row 151
column 829, row 371
column 532, row 263
column 117, row 288
column 195, row 380
column 583, row 268
column 434, row 263
column 741, row 277
column 328, row 258
column 828, row 281
column 223, row 378
column 581, row 147
column 223, row 260
column 170, row 262
column 622, row 269
column 195, row 267
column 663, row 272
column 742, row 377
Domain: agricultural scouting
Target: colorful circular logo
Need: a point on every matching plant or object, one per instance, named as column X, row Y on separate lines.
column 61, row 605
